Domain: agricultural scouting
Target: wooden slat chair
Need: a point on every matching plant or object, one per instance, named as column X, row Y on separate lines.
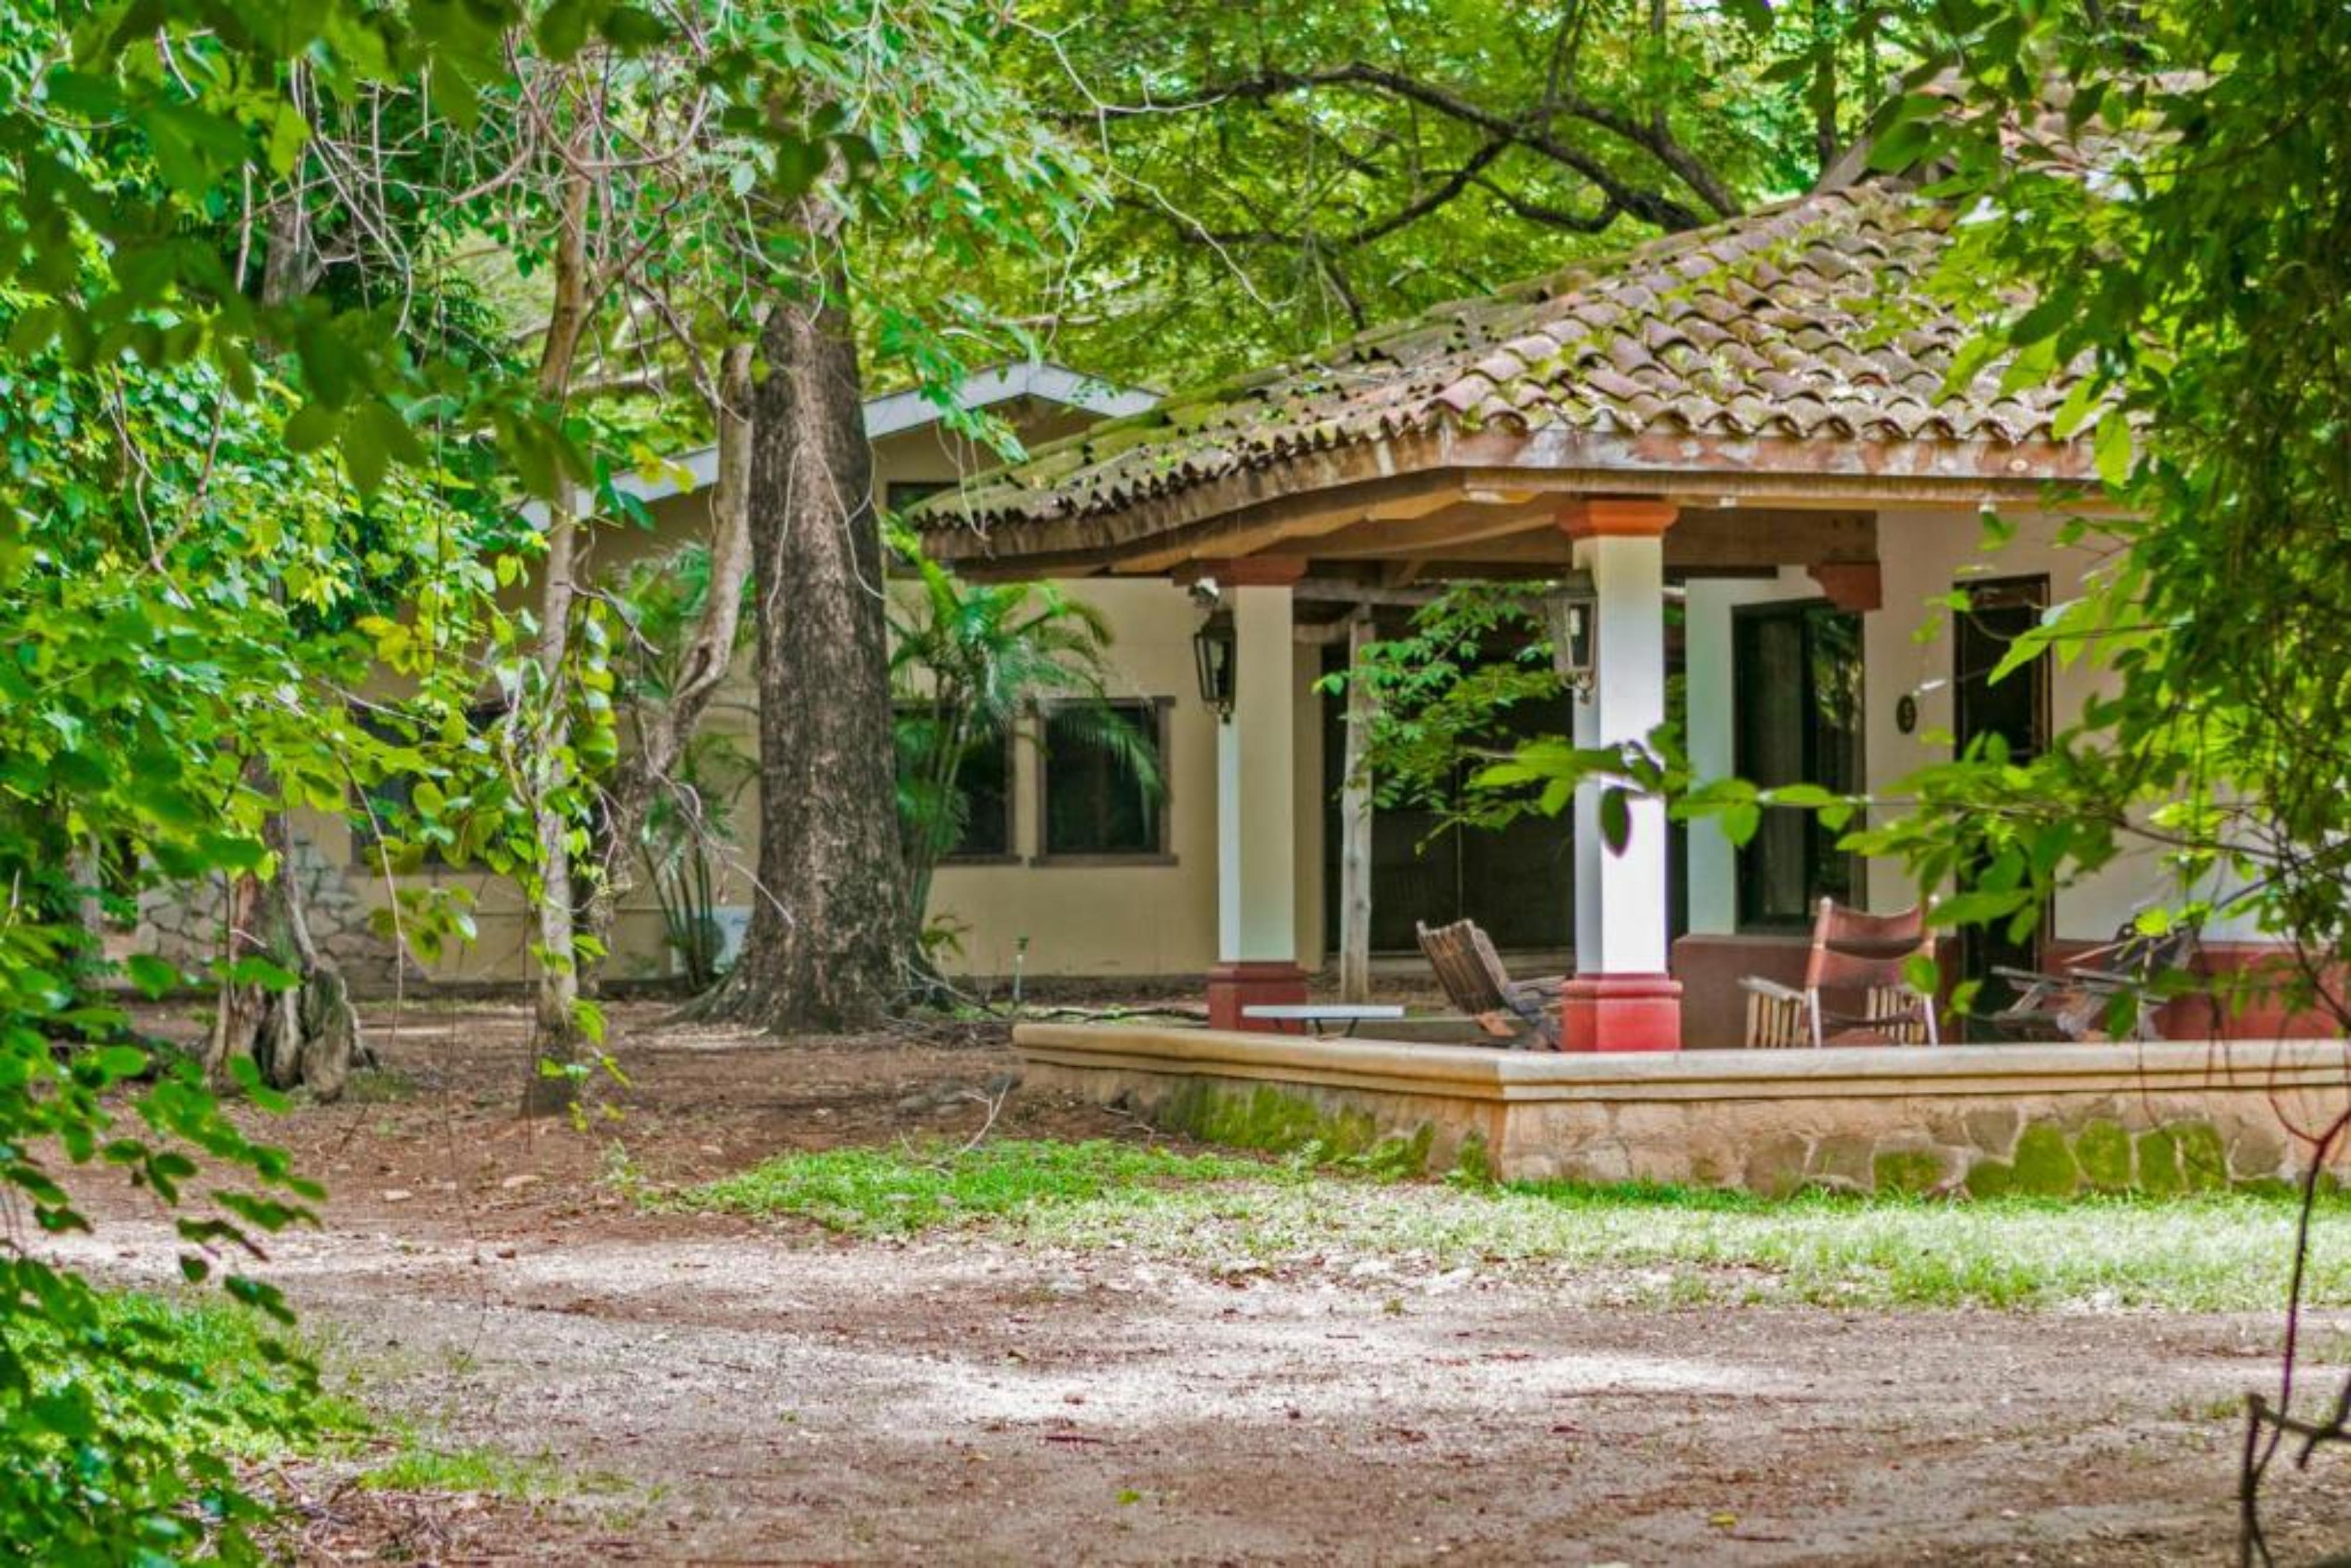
column 1523, row 1012
column 1855, row 954
column 2076, row 1000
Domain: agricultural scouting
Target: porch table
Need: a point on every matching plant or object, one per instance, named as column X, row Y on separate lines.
column 1313, row 1016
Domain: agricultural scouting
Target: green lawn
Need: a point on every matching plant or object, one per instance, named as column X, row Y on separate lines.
column 2205, row 1253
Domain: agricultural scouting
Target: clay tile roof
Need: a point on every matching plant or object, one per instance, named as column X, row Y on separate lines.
column 1809, row 322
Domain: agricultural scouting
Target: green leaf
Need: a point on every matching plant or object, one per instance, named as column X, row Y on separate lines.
column 1616, row 820
column 1900, row 145
column 563, row 29
column 312, row 427
column 119, row 1062
column 2112, row 450
column 255, row 970
column 151, row 975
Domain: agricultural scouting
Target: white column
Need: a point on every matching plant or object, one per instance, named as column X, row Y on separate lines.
column 1257, row 892
column 1621, row 899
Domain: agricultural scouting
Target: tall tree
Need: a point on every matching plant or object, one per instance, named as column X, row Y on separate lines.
column 2177, row 185
column 827, row 940
column 948, row 166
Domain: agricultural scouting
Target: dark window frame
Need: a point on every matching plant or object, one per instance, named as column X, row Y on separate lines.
column 1751, row 878
column 1010, row 854
column 1160, row 712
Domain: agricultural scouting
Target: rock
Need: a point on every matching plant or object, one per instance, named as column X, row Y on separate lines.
column 397, row 1195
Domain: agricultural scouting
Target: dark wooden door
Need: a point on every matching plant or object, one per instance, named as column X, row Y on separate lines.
column 2015, row 709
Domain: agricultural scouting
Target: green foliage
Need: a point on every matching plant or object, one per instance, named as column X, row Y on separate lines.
column 871, row 1192
column 1284, row 172
column 1451, row 694
column 2175, row 234
column 126, row 1417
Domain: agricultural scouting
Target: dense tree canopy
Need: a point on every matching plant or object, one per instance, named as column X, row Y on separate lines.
column 1282, row 174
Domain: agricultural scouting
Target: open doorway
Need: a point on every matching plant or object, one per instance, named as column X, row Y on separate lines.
column 2015, row 708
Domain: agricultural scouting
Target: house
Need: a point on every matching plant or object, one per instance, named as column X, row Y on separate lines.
column 1748, row 423
column 1752, row 419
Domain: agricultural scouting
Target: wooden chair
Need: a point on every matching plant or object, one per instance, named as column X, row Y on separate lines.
column 1523, row 1012
column 2074, row 1001
column 1855, row 954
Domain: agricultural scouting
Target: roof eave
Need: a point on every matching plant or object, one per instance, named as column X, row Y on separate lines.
column 1742, row 469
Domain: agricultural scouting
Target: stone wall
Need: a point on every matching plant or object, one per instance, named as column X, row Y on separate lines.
column 2158, row 1117
column 182, row 922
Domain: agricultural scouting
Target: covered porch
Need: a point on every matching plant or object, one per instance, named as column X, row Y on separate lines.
column 1717, row 417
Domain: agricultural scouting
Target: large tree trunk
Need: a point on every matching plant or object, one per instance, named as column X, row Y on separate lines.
column 556, row 1043
column 665, row 727
column 828, row 918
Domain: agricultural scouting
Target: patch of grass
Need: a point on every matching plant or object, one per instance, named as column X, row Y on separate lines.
column 378, row 1086
column 1667, row 1244
column 2218, row 1252
column 882, row 1192
column 491, row 1472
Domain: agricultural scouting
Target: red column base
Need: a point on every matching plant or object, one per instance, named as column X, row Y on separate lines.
column 1621, row 1012
column 1252, row 983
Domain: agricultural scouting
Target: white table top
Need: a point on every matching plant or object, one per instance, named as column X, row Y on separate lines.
column 1324, row 1010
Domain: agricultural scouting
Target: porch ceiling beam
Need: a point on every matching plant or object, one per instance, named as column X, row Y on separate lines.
column 1746, row 540
column 1756, row 536
column 1399, row 498
column 1448, row 530
column 1339, row 590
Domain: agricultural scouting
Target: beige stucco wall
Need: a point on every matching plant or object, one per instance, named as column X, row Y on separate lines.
column 1152, row 916
column 1925, row 555
column 1157, row 916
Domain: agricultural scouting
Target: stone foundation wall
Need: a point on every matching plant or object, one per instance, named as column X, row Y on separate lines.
column 182, row 922
column 1982, row 1120
column 2034, row 1143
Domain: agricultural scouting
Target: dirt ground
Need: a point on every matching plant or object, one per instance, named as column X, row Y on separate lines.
column 715, row 1390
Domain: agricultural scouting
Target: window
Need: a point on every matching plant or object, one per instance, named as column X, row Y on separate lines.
column 984, row 782
column 1103, row 790
column 1796, row 687
column 983, row 779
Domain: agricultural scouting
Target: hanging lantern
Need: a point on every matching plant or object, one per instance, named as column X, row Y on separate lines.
column 1216, row 649
column 1572, row 611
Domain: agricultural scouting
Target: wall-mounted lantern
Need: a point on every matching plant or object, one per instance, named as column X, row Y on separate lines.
column 1216, row 649
column 1572, row 611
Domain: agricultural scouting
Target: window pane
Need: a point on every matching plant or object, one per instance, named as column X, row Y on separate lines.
column 1096, row 801
column 984, row 783
column 983, row 779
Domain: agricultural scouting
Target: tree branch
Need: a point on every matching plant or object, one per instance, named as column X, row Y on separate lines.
column 1531, row 129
